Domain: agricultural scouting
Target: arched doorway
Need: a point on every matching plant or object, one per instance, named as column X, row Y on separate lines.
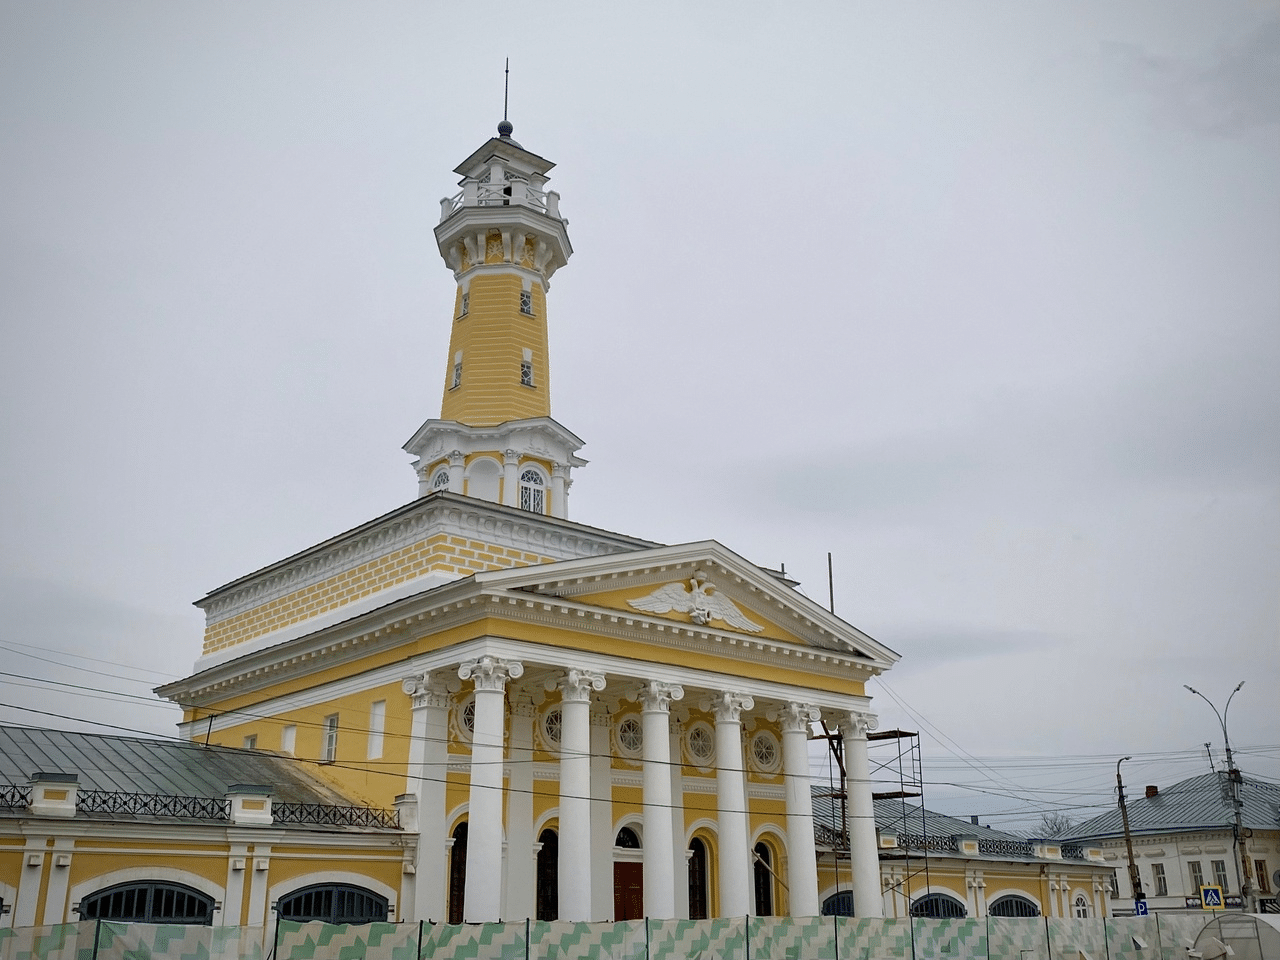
column 764, row 880
column 699, row 900
column 547, row 904
column 458, row 872
column 628, row 876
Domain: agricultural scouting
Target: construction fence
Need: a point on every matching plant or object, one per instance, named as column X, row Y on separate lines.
column 1167, row 937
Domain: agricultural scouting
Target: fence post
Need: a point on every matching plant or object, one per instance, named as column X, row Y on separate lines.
column 526, row 938
column 419, row 953
column 648, row 955
column 1048, row 942
column 746, row 937
column 97, row 936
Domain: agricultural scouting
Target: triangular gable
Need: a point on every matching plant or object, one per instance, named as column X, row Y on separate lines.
column 702, row 583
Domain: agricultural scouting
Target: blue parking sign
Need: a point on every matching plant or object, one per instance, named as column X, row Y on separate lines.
column 1140, row 908
column 1211, row 898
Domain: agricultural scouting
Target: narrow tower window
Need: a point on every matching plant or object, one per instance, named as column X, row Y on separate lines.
column 532, row 492
column 329, row 746
column 464, row 304
column 457, row 371
column 526, row 368
column 526, row 302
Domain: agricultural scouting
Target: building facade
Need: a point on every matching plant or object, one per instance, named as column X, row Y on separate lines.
column 590, row 726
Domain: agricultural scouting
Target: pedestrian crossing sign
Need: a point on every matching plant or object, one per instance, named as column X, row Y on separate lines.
column 1211, row 898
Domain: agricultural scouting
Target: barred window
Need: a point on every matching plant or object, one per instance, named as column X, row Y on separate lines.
column 151, row 901
column 526, row 373
column 334, row 903
column 526, row 302
column 938, row 906
column 532, row 492
column 1013, row 906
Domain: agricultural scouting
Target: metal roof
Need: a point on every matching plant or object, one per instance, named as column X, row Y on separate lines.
column 161, row 767
column 1196, row 804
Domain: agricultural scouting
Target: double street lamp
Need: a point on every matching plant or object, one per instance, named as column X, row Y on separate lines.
column 1234, row 783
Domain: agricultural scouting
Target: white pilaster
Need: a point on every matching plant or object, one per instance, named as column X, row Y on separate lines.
column 483, row 895
column 659, row 867
column 601, row 814
column 521, row 874
column 575, row 793
column 511, row 478
column 428, row 767
column 802, row 858
column 731, row 805
column 862, row 819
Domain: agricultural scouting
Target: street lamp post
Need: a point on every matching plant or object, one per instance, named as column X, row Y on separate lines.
column 1135, row 879
column 1234, row 781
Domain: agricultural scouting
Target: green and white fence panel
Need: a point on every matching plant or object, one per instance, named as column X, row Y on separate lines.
column 63, row 941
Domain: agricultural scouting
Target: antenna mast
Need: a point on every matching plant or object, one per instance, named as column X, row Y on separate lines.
column 506, row 87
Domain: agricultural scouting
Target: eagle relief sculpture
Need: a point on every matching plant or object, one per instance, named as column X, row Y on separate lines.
column 700, row 603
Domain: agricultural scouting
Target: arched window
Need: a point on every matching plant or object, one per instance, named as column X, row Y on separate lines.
column 457, row 872
column 333, row 903
column 1081, row 907
column 938, row 906
column 698, row 899
column 764, row 880
column 548, row 897
column 441, row 480
column 149, row 901
column 1013, row 906
column 839, row 904
column 533, row 495
column 627, row 839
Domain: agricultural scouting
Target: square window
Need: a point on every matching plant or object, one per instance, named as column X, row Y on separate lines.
column 526, row 302
column 329, row 748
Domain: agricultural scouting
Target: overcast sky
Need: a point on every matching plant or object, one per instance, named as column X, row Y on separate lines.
column 984, row 299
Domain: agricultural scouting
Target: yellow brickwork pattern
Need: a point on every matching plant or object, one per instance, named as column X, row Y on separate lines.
column 441, row 553
column 492, row 336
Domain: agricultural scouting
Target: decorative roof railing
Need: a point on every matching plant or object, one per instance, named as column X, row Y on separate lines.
column 15, row 795
column 483, row 193
column 1005, row 848
column 152, row 805
column 334, row 816
column 1073, row 851
column 937, row 844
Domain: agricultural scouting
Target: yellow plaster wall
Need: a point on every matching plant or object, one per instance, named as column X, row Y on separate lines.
column 492, row 336
column 453, row 555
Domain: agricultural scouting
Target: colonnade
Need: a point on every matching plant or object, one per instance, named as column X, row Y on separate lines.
column 586, row 837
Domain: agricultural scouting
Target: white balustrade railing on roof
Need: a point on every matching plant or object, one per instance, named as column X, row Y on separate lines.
column 478, row 193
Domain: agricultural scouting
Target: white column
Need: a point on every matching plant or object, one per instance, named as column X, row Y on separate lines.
column 510, row 478
column 601, row 813
column 802, row 858
column 521, row 875
column 731, row 803
column 428, row 770
column 862, row 816
column 560, row 490
column 482, row 898
column 679, row 850
column 457, row 465
column 575, row 793
column 659, row 867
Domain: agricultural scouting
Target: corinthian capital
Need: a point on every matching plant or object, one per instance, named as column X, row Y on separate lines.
column 657, row 696
column 856, row 724
column 490, row 673
column 795, row 717
column 576, row 685
column 427, row 690
column 728, row 706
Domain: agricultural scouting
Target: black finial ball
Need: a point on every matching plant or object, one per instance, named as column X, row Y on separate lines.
column 505, row 128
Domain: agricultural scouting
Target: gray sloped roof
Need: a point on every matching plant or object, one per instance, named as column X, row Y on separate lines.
column 160, row 767
column 1194, row 804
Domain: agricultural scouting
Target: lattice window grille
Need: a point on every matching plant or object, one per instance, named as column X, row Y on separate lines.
column 630, row 736
column 464, row 306
column 701, row 743
column 764, row 750
column 553, row 725
column 441, row 480
column 526, row 302
column 457, row 375
column 467, row 716
column 532, row 492
column 526, row 373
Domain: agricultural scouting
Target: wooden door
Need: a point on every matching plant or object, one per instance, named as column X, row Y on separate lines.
column 628, row 891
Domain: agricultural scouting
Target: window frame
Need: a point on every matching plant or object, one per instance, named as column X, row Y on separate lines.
column 89, row 906
column 1220, row 875
column 533, row 496
column 1018, row 904
column 924, row 907
column 336, row 895
column 329, row 739
column 1159, row 881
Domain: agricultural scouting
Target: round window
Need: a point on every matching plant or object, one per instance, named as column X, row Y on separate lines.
column 701, row 743
column 630, row 737
column 764, row 751
column 553, row 725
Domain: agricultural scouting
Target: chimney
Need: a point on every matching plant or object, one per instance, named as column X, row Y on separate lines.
column 974, row 820
column 1152, row 791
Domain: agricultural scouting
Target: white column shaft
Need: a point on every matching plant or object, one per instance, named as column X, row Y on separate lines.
column 802, row 859
column 575, row 810
column 862, row 823
column 483, row 897
column 678, row 847
column 731, row 803
column 521, row 878
column 601, row 815
column 428, row 766
column 659, row 870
